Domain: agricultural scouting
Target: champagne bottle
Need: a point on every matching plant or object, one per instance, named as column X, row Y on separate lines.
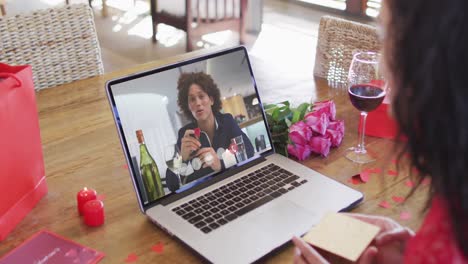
column 149, row 171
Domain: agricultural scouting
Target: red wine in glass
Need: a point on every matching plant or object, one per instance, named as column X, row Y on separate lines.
column 366, row 97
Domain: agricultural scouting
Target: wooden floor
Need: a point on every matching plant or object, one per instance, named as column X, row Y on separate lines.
column 124, row 34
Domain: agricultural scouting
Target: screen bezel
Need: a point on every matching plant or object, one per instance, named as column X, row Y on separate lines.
column 123, row 141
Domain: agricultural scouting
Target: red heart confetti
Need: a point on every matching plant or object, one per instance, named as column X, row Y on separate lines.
column 364, row 175
column 409, row 183
column 398, row 199
column 125, row 167
column 384, row 204
column 392, row 173
column 426, row 182
column 233, row 148
column 197, row 132
column 101, row 197
column 355, row 180
column 132, row 257
column 405, row 216
column 158, row 248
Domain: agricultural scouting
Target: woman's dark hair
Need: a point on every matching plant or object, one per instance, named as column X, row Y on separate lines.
column 427, row 54
column 205, row 82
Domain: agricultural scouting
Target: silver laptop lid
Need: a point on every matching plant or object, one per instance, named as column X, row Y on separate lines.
column 197, row 120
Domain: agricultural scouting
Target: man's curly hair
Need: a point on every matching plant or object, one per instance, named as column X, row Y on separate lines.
column 207, row 85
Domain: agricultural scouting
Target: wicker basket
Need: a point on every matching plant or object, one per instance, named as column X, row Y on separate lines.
column 60, row 44
column 338, row 40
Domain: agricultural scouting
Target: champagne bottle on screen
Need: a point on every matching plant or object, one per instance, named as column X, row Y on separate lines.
column 149, row 171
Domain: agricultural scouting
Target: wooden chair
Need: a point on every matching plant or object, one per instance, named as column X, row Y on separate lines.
column 338, row 40
column 60, row 44
column 208, row 15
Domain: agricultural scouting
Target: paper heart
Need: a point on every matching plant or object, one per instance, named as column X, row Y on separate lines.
column 233, row 148
column 158, row 248
column 398, row 199
column 355, row 180
column 384, row 204
column 132, row 257
column 364, row 175
column 71, row 253
column 405, row 215
column 392, row 173
column 426, row 182
column 409, row 183
column 197, row 132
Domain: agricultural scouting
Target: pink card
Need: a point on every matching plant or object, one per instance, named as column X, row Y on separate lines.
column 48, row 248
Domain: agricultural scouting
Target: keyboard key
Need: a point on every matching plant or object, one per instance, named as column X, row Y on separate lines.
column 195, row 219
column 225, row 212
column 275, row 194
column 253, row 205
column 217, row 216
column 221, row 200
column 208, row 219
column 229, row 202
column 222, row 221
column 303, row 181
column 239, row 204
column 230, row 217
column 282, row 190
column 232, row 208
column 290, row 188
column 214, row 203
column 213, row 225
column 176, row 209
column 214, row 210
column 206, row 207
column 222, row 206
column 291, row 179
column 188, row 215
column 189, row 208
column 198, row 211
column 206, row 213
column 200, row 224
column 206, row 229
column 184, row 205
column 236, row 199
column 180, row 212
column 295, row 184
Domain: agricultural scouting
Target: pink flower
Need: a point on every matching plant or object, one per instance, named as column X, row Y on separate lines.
column 318, row 124
column 327, row 107
column 337, row 125
column 335, row 137
column 301, row 152
column 300, row 133
column 320, row 145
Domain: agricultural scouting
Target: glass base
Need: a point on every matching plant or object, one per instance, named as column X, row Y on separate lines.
column 359, row 156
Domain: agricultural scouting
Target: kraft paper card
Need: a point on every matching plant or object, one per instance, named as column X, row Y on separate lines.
column 342, row 235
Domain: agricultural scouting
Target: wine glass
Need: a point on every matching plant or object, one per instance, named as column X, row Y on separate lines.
column 366, row 89
column 174, row 160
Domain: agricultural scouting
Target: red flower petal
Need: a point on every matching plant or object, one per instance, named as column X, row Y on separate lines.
column 320, row 145
column 364, row 175
column 132, row 257
column 318, row 124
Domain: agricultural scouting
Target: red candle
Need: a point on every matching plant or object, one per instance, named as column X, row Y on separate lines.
column 83, row 196
column 94, row 213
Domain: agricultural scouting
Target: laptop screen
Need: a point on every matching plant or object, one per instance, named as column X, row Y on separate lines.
column 182, row 123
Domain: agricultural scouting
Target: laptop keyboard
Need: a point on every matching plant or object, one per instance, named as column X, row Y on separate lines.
column 224, row 204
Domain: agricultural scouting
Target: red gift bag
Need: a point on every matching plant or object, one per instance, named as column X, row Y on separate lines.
column 22, row 177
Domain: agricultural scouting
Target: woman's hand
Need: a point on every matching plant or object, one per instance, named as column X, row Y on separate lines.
column 387, row 247
column 305, row 254
column 188, row 144
column 209, row 158
column 391, row 240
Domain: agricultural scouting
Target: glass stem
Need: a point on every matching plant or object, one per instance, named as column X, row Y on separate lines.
column 362, row 132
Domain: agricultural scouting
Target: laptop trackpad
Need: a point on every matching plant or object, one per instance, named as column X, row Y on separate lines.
column 285, row 219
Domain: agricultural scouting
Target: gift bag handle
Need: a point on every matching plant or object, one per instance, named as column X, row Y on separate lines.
column 19, row 83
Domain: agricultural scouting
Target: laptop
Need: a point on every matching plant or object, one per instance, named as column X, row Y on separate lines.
column 209, row 175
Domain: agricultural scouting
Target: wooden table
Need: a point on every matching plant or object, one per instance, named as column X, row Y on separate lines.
column 81, row 148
